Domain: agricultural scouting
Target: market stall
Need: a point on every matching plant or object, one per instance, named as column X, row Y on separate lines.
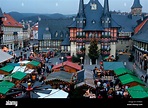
column 123, row 71
column 33, row 64
column 138, row 92
column 130, row 80
column 6, row 69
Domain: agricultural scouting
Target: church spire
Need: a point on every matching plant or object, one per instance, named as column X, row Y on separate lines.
column 136, row 4
column 136, row 8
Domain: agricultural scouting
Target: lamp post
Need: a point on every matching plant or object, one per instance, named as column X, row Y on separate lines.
column 62, row 68
column 81, row 59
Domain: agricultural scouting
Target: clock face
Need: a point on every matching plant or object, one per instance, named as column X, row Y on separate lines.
column 93, row 6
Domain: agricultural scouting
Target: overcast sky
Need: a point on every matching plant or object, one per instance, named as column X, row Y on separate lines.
column 62, row 6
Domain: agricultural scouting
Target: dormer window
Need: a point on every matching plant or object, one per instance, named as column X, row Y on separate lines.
column 47, row 28
column 93, row 21
column 93, row 6
column 56, row 35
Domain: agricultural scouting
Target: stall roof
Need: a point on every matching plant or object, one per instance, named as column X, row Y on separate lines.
column 7, row 68
column 34, row 63
column 6, row 84
column 4, row 56
column 138, row 91
column 18, row 75
column 127, row 78
column 121, row 71
column 3, row 90
column 13, row 64
column 23, row 62
column 112, row 65
column 62, row 75
column 55, row 93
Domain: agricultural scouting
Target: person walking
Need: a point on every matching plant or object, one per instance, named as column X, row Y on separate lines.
column 146, row 77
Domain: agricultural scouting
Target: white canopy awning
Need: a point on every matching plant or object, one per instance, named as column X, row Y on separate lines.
column 4, row 56
column 22, row 69
column 24, row 62
column 55, row 93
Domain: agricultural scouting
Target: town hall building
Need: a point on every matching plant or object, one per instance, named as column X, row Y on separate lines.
column 112, row 30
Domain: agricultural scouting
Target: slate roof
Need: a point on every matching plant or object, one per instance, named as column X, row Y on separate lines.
column 1, row 13
column 136, row 4
column 66, row 42
column 142, row 35
column 53, row 26
column 126, row 22
column 93, row 17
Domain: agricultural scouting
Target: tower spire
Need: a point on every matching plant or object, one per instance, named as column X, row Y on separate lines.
column 136, row 8
column 136, row 4
column 81, row 19
column 81, row 9
column 106, row 17
column 106, row 7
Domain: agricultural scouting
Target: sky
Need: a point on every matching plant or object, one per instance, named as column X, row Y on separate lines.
column 62, row 6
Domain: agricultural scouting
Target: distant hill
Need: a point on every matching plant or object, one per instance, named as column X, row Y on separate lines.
column 34, row 16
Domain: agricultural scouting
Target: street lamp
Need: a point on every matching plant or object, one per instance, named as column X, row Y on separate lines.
column 62, row 68
column 81, row 59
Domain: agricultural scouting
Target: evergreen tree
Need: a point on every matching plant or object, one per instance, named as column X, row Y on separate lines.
column 93, row 51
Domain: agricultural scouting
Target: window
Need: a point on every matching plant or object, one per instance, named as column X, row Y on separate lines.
column 56, row 35
column 93, row 6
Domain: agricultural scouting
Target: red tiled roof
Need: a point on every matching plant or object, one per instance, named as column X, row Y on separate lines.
column 138, row 28
column 68, row 63
column 9, row 21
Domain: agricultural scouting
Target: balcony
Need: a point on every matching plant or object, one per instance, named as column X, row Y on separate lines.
column 105, row 36
column 65, row 51
column 105, row 40
column 80, row 36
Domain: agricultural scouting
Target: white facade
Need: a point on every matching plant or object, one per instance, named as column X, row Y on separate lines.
column 9, row 38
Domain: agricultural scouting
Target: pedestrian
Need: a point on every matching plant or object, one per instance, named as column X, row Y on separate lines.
column 146, row 77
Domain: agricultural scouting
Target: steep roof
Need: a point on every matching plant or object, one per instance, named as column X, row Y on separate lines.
column 142, row 33
column 1, row 13
column 126, row 22
column 9, row 21
column 136, row 4
column 93, row 17
column 58, row 28
column 66, row 42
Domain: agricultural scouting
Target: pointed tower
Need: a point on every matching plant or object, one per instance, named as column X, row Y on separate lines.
column 81, row 19
column 136, row 8
column 1, row 23
column 106, row 17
